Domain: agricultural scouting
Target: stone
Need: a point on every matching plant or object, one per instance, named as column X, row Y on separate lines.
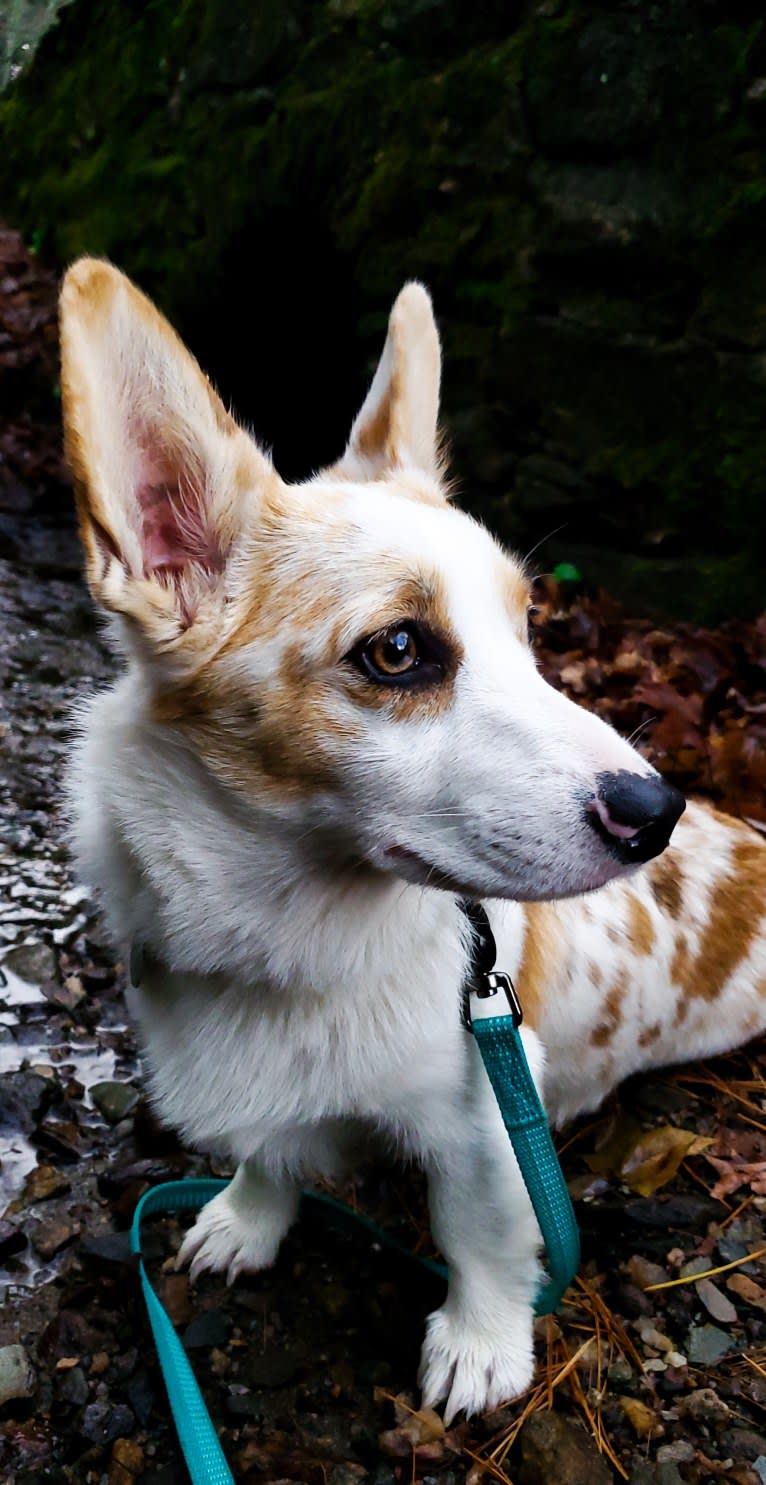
column 54, row 1233
column 707, row 1344
column 24, row 1098
column 679, row 1452
column 744, row 1443
column 43, row 1182
column 716, row 1303
column 102, row 1422
column 17, row 1377
column 114, row 1101
column 126, row 1463
column 72, row 1386
column 553, row 1447
column 210, row 1328
column 12, row 1239
column 33, row 963
column 705, row 1405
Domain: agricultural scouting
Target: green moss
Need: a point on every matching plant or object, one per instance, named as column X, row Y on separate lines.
column 585, row 194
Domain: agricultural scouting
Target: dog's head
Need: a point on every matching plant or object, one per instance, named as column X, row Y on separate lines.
column 349, row 655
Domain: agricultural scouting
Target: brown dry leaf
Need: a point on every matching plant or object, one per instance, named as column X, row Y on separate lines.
column 735, row 1173
column 657, row 1155
column 641, row 1418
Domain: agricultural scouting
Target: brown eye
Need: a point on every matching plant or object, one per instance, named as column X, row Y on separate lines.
column 404, row 654
column 393, row 653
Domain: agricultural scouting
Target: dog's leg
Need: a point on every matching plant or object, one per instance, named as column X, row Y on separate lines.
column 478, row 1350
column 240, row 1230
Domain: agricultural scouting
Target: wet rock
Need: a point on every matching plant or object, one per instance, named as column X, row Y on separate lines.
column 108, row 1248
column 707, row 1344
column 12, row 1239
column 17, row 1377
column 72, row 1386
column 54, row 1233
column 32, row 962
column 211, row 1328
column 716, row 1303
column 43, row 1182
column 24, row 1098
column 555, row 1448
column 126, row 1463
column 102, row 1422
column 114, row 1101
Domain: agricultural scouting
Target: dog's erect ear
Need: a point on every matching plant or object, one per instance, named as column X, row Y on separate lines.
column 164, row 476
column 398, row 422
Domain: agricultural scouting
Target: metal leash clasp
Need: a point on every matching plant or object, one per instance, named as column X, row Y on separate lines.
column 491, row 984
column 484, row 981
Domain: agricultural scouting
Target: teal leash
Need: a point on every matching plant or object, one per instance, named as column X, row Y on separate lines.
column 502, row 1050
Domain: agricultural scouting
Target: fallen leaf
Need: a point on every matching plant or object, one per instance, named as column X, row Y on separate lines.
column 657, row 1155
column 641, row 1418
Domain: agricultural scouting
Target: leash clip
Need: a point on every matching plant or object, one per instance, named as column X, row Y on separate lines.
column 491, row 983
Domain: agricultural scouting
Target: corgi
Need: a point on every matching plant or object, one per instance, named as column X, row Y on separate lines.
column 331, row 729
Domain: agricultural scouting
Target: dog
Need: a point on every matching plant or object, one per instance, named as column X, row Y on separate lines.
column 331, row 729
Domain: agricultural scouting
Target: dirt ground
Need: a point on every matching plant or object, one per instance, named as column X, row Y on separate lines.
column 650, row 1372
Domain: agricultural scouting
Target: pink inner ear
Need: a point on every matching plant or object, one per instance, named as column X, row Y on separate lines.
column 175, row 530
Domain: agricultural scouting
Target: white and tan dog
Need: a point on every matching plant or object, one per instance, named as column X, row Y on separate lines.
column 331, row 726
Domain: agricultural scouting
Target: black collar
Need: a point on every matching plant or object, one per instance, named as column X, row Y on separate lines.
column 482, row 979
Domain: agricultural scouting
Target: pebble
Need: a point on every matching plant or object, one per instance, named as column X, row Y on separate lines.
column 17, row 1377
column 553, row 1447
column 127, row 1462
column 679, row 1452
column 12, row 1239
column 43, row 1182
column 102, row 1423
column 716, row 1303
column 211, row 1328
column 53, row 1234
column 114, row 1101
column 705, row 1405
column 32, row 962
column 707, row 1344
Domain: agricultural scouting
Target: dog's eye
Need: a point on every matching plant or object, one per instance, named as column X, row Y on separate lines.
column 393, row 653
column 403, row 655
column 532, row 616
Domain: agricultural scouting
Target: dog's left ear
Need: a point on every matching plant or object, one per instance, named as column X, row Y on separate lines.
column 398, row 422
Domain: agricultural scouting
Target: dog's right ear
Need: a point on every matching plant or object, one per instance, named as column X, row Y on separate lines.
column 397, row 425
column 164, row 477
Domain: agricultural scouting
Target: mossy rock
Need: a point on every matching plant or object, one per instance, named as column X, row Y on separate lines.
column 582, row 186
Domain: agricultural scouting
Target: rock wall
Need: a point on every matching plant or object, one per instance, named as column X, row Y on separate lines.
column 582, row 185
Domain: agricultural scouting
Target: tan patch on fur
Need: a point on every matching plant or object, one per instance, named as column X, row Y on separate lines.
column 612, row 1012
column 650, row 1035
column 541, row 958
column 666, row 883
column 640, row 927
column 737, row 908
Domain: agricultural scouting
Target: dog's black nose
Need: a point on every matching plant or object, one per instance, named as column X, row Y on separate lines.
column 634, row 814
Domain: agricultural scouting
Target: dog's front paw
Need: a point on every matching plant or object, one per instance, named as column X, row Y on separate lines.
column 226, row 1239
column 474, row 1366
